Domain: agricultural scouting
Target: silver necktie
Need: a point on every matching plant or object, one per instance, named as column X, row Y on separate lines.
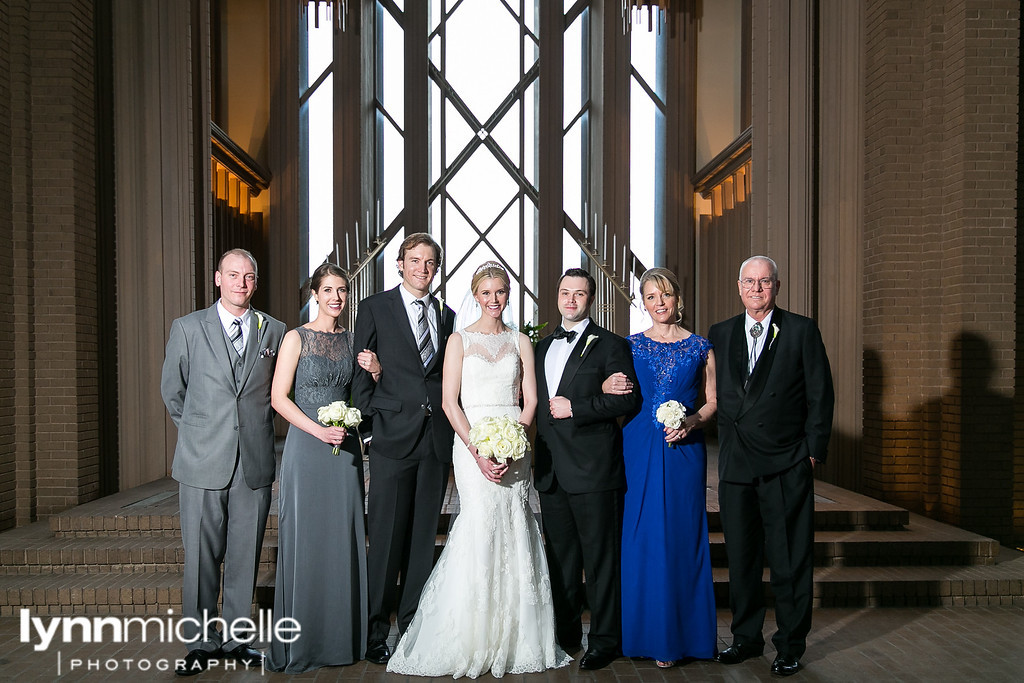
column 423, row 341
column 236, row 336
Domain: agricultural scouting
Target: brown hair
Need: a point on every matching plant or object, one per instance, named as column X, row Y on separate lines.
column 323, row 271
column 417, row 239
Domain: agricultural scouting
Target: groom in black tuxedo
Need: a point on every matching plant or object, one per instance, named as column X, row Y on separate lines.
column 775, row 402
column 579, row 472
column 411, row 452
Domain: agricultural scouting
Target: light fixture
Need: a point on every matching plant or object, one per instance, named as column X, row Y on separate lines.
column 337, row 10
column 631, row 8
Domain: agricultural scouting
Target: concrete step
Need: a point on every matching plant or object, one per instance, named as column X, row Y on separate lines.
column 141, row 593
column 153, row 593
column 921, row 542
column 34, row 549
column 152, row 510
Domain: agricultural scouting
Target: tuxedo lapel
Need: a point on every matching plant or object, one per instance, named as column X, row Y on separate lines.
column 254, row 347
column 738, row 354
column 214, row 331
column 402, row 320
column 542, row 375
column 439, row 313
column 576, row 358
column 763, row 367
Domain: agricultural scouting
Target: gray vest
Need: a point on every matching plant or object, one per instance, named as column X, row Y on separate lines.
column 238, row 362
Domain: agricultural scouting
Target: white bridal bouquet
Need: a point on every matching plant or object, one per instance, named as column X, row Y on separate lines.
column 501, row 438
column 339, row 414
column 671, row 414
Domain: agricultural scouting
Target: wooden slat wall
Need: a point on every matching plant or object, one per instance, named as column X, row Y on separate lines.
column 841, row 229
column 723, row 242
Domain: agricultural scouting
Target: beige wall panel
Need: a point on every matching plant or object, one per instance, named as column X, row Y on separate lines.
column 153, row 161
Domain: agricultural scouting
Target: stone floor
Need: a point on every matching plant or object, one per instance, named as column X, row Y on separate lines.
column 870, row 644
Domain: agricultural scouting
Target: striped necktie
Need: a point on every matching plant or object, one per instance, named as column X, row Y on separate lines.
column 423, row 341
column 236, row 336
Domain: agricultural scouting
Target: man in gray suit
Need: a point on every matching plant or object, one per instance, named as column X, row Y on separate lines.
column 216, row 386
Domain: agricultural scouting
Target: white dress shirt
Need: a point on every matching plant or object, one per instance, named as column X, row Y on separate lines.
column 756, row 346
column 558, row 355
column 413, row 311
column 228, row 319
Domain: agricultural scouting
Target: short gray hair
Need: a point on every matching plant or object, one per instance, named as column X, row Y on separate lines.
column 774, row 267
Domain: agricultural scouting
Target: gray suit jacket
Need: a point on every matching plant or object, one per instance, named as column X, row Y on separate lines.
column 218, row 418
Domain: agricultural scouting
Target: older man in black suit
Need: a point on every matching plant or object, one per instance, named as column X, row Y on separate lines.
column 579, row 472
column 775, row 401
column 412, row 439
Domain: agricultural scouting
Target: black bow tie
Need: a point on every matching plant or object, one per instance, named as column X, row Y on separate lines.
column 560, row 333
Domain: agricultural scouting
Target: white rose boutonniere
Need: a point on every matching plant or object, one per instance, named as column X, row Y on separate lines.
column 671, row 414
column 501, row 438
column 775, row 334
column 339, row 414
column 590, row 338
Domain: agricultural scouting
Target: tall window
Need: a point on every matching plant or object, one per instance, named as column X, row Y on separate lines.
column 482, row 103
column 647, row 182
column 483, row 154
column 316, row 116
column 576, row 110
column 453, row 88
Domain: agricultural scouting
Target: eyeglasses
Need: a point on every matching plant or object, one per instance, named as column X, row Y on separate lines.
column 749, row 282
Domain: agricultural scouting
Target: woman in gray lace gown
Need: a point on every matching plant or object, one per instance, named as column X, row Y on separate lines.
column 321, row 555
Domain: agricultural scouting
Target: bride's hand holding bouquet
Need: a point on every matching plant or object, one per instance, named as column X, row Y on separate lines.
column 494, row 441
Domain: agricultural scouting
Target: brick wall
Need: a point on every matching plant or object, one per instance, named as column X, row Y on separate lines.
column 21, row 222
column 940, row 258
column 7, row 393
column 49, row 419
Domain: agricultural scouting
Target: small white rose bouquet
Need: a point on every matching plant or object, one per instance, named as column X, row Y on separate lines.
column 671, row 414
column 339, row 414
column 501, row 438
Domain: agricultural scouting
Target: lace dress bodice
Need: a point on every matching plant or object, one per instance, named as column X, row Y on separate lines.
column 669, row 370
column 491, row 370
column 324, row 371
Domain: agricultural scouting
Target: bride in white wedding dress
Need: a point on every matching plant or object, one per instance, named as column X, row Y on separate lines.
column 487, row 604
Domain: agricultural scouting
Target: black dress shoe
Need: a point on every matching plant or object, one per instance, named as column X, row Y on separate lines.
column 595, row 659
column 195, row 662
column 738, row 652
column 785, row 666
column 245, row 655
column 378, row 652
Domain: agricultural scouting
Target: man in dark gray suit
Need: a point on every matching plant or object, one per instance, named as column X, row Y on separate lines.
column 411, row 451
column 216, row 386
column 775, row 402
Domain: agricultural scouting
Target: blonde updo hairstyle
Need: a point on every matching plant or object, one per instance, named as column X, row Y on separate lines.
column 490, row 269
column 666, row 281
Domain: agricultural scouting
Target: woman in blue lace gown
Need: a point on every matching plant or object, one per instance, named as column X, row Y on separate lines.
column 668, row 600
column 321, row 552
column 487, row 604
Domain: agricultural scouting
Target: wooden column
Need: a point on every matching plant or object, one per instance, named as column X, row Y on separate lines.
column 549, row 174
column 156, row 167
column 783, row 45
